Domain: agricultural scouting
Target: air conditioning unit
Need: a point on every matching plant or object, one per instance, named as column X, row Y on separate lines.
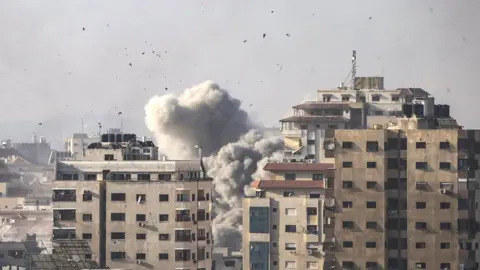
column 310, row 252
column 142, row 224
column 443, row 191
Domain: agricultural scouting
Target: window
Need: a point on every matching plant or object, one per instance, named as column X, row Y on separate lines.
column 372, row 225
column 87, row 196
column 163, row 197
column 421, row 165
column 87, row 217
column 347, row 244
column 182, row 255
column 445, row 226
column 421, row 185
column 371, row 204
column 201, row 255
column 141, row 236
column 140, row 256
column 140, row 198
column 348, row 225
column 462, row 204
column 345, row 98
column 290, row 264
column 444, row 145
column 117, row 216
column 162, row 256
column 347, row 184
column 347, row 204
column 182, row 215
column 444, row 266
column 420, row 265
column 317, row 176
column 371, row 184
column 202, row 215
column 314, row 195
column 143, row 177
column 371, row 244
column 183, row 236
column 372, row 146
column 86, row 236
column 117, row 256
column 420, row 245
column 141, row 217
column 348, row 264
column 420, row 225
column 312, row 211
column 164, row 177
column 310, row 142
column 421, row 145
column 290, row 176
column 117, row 236
column 288, row 194
column 444, row 205
column 290, row 228
column 375, row 98
column 445, row 165
column 201, row 195
column 290, row 211
column 347, row 164
column 421, row 205
column 326, row 98
column 163, row 236
column 183, row 196
column 90, row 177
column 109, row 157
column 290, row 246
column 347, row 145
column 118, row 197
column 444, row 245
column 395, row 98
column 371, row 164
column 163, row 217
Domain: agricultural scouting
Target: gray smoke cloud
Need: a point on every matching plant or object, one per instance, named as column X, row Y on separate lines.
column 236, row 149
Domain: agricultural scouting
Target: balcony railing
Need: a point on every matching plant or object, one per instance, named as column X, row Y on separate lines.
column 181, row 218
column 64, row 198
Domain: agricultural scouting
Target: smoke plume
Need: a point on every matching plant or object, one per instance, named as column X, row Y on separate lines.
column 235, row 149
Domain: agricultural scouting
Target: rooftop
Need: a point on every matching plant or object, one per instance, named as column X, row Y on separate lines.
column 314, row 119
column 263, row 184
column 298, row 166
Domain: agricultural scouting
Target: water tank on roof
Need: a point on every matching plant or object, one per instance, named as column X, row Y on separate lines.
column 104, row 137
column 111, row 138
column 418, row 110
column 118, row 138
column 444, row 111
column 407, row 110
column 447, row 110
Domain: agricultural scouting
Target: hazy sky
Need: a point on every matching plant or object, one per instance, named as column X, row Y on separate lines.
column 50, row 67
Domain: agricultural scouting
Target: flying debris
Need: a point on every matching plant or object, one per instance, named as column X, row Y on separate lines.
column 108, row 25
column 166, row 88
column 83, row 28
column 288, row 35
column 370, row 18
column 119, row 113
column 264, row 35
column 271, row 11
column 235, row 149
column 40, row 123
column 130, row 64
column 245, row 41
column 143, row 53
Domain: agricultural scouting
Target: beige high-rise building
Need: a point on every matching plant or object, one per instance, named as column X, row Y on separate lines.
column 138, row 212
column 404, row 198
column 283, row 223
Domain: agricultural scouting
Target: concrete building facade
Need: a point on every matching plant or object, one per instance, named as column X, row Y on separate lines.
column 283, row 223
column 138, row 212
column 415, row 189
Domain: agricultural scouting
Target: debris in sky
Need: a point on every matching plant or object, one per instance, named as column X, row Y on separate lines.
column 130, row 64
column 448, row 89
column 166, row 88
column 143, row 53
column 271, row 11
column 288, row 35
column 281, row 67
column 244, row 41
column 250, row 105
column 119, row 113
column 40, row 123
column 264, row 35
column 83, row 28
column 108, row 25
column 370, row 18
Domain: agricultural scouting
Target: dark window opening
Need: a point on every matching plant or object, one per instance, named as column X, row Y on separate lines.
column 371, row 184
column 421, row 205
column 141, row 236
column 143, row 177
column 347, row 164
column 371, row 204
column 371, row 225
column 444, row 205
column 421, row 165
column 163, row 256
column 117, row 235
column 445, row 226
column 141, row 217
column 347, row 244
column 163, row 217
column 163, row 237
column 163, row 198
column 164, row 177
column 117, row 256
column 421, row 145
column 109, row 157
column 118, row 197
column 347, row 145
column 87, row 217
column 290, row 176
column 347, row 184
column 348, row 224
column 372, row 146
column 420, row 245
column 290, row 228
column 371, row 164
column 347, row 204
column 444, row 145
column 445, row 165
column 445, row 245
column 371, row 244
column 117, row 216
column 421, row 225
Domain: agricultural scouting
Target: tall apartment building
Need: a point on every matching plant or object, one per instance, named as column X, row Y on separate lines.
column 363, row 107
column 283, row 223
column 404, row 197
column 138, row 212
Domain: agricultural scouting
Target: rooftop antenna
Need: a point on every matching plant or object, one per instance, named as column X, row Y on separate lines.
column 82, row 141
column 120, row 114
column 354, row 68
column 99, row 129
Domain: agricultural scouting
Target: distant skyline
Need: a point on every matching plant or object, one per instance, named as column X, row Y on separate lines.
column 52, row 69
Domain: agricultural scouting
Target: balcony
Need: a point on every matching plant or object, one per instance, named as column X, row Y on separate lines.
column 183, row 218
column 64, row 218
column 64, row 198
